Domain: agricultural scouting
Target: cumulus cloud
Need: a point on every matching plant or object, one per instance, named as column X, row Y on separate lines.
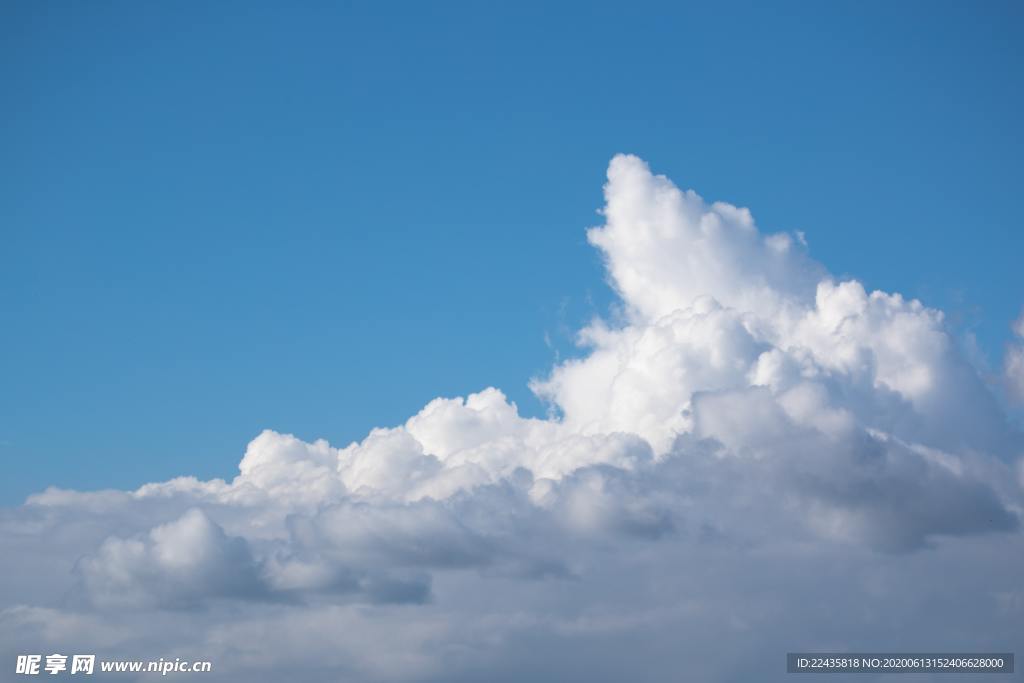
column 754, row 457
column 1014, row 362
column 179, row 563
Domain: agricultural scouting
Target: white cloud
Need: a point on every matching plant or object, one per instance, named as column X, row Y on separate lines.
column 178, row 564
column 749, row 427
column 1014, row 362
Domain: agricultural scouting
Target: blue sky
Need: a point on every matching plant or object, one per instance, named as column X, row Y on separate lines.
column 235, row 216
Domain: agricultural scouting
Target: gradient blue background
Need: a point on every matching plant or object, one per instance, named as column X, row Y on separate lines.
column 315, row 217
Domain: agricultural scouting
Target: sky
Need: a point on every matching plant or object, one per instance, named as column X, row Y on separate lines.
column 412, row 343
column 212, row 216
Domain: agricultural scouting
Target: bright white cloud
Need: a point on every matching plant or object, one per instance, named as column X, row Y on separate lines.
column 750, row 426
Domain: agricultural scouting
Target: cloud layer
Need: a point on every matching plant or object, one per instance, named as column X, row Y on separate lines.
column 750, row 457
